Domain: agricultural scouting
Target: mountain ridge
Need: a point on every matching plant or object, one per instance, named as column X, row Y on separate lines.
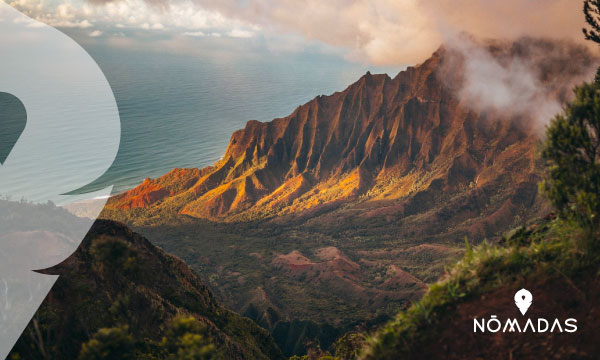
column 107, row 282
column 384, row 143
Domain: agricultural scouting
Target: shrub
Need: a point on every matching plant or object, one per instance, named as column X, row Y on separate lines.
column 109, row 343
column 186, row 339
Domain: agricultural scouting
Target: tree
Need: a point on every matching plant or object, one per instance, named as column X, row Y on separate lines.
column 572, row 155
column 591, row 10
column 186, row 339
column 350, row 344
column 108, row 344
column 114, row 255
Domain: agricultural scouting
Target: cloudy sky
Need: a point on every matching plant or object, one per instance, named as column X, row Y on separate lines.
column 378, row 32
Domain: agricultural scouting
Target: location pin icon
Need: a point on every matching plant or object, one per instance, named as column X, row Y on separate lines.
column 523, row 299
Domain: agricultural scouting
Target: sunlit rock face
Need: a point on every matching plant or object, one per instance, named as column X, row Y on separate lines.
column 424, row 142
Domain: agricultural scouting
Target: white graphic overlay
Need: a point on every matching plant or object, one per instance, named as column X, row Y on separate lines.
column 70, row 137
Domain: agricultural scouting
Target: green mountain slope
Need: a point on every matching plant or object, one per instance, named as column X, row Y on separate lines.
column 118, row 279
column 548, row 258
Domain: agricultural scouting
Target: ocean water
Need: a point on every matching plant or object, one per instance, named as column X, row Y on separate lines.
column 179, row 110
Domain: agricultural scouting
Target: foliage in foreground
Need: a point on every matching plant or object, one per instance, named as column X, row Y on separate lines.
column 552, row 247
column 121, row 297
column 548, row 247
column 185, row 339
column 572, row 155
column 347, row 347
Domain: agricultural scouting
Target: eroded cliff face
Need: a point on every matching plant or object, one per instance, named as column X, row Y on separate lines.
column 389, row 148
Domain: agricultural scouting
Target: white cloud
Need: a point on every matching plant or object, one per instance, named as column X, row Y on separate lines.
column 155, row 26
column 513, row 79
column 181, row 16
column 30, row 23
column 384, row 32
column 96, row 33
column 66, row 10
column 35, row 24
column 393, row 32
column 83, row 24
column 237, row 33
column 194, row 33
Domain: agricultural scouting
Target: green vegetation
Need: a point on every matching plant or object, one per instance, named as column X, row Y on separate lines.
column 120, row 297
column 548, row 248
column 347, row 347
column 572, row 154
column 591, row 9
column 187, row 339
column 236, row 261
column 109, row 343
column 184, row 339
column 543, row 250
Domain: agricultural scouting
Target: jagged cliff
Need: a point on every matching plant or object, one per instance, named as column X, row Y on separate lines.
column 392, row 148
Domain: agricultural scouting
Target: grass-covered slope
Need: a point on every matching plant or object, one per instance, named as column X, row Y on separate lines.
column 555, row 260
column 120, row 288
